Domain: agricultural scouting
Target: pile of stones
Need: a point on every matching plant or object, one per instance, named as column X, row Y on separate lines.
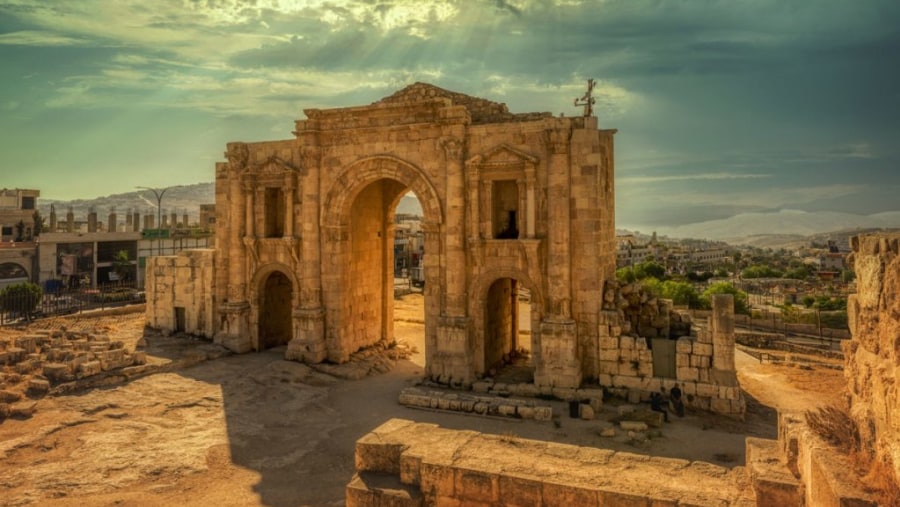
column 30, row 365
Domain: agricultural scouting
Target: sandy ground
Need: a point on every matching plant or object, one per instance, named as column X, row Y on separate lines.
column 257, row 430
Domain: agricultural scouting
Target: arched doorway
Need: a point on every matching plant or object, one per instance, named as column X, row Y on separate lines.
column 509, row 332
column 275, row 327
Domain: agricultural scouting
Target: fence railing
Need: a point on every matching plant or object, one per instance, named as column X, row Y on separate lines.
column 22, row 307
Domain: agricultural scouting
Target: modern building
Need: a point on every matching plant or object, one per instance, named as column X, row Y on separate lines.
column 17, row 214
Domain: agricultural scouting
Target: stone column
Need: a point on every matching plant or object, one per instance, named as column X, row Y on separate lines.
column 486, row 216
column 722, row 328
column 129, row 221
column 530, row 202
column 473, row 202
column 522, row 218
column 136, row 221
column 70, row 221
column 289, row 205
column 249, row 193
column 174, row 219
column 111, row 224
column 52, row 218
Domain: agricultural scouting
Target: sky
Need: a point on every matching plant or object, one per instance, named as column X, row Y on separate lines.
column 723, row 106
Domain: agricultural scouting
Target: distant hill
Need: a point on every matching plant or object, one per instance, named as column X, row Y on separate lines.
column 181, row 199
column 739, row 228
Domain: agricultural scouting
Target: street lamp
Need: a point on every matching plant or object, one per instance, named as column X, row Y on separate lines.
column 159, row 195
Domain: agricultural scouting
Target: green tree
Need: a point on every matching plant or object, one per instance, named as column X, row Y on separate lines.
column 122, row 266
column 798, row 273
column 39, row 225
column 20, row 231
column 760, row 271
column 21, row 298
column 740, row 297
column 808, row 301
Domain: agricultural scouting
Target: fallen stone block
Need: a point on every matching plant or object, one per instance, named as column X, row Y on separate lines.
column 89, row 368
column 633, row 425
column 56, row 372
column 543, row 413
column 37, row 386
column 608, row 432
column 586, row 412
column 23, row 409
column 7, row 396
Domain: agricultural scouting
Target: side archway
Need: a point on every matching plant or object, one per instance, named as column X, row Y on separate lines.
column 273, row 296
column 494, row 309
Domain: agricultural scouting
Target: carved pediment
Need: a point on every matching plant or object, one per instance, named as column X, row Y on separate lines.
column 271, row 166
column 503, row 155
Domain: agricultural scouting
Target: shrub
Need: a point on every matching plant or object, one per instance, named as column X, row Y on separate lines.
column 21, row 298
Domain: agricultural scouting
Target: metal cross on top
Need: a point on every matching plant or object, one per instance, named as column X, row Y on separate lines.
column 587, row 100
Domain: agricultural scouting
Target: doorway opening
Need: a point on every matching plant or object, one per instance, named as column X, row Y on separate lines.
column 508, row 338
column 275, row 325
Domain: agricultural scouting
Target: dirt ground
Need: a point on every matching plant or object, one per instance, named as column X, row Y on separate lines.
column 218, row 429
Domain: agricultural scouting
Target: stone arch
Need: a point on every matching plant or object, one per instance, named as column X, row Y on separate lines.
column 259, row 305
column 479, row 290
column 359, row 174
column 357, row 286
column 12, row 270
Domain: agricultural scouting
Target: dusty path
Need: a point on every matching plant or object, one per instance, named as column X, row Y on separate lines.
column 257, row 430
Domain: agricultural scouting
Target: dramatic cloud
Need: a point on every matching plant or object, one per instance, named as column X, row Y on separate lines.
column 722, row 107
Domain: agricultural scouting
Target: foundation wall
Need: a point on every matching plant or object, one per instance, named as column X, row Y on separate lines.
column 414, row 464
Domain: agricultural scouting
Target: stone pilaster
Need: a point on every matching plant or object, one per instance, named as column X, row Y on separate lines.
column 454, row 304
column 308, row 344
column 559, row 268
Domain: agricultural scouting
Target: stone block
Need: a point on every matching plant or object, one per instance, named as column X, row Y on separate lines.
column 89, row 368
column 519, row 491
column 684, row 345
column 543, row 413
column 38, row 386
column 476, row 486
column 565, row 495
column 688, row 374
column 682, row 360
column 703, row 349
column 586, row 412
column 611, row 342
column 633, row 425
column 7, row 396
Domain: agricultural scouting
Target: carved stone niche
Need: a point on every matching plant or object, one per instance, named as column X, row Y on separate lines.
column 501, row 182
column 271, row 191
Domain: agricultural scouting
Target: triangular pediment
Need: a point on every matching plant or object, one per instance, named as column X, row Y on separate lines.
column 503, row 154
column 272, row 165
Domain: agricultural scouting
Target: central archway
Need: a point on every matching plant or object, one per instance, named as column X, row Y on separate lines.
column 358, row 262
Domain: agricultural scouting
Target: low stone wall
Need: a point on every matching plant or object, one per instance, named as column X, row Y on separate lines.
column 482, row 405
column 772, row 341
column 403, row 463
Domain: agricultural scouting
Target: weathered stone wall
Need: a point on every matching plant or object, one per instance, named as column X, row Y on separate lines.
column 873, row 355
column 185, row 281
column 415, row 464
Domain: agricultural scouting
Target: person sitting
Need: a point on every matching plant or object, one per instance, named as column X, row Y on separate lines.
column 675, row 401
column 656, row 405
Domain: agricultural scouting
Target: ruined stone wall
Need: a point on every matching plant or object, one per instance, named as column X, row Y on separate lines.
column 185, row 281
column 632, row 318
column 873, row 355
